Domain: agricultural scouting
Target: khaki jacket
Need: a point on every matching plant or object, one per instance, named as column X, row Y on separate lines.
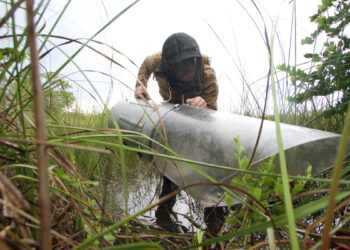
column 210, row 88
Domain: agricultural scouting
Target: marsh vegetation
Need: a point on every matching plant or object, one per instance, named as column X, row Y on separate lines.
column 68, row 181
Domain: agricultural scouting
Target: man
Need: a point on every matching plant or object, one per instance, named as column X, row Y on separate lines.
column 183, row 74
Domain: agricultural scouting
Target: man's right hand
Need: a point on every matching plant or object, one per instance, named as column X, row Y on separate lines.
column 141, row 93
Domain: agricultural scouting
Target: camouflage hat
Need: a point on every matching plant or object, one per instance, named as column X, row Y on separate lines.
column 179, row 47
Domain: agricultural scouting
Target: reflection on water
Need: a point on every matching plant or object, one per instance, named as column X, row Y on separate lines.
column 173, row 215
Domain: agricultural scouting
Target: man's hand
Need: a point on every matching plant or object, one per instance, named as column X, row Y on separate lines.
column 140, row 92
column 197, row 101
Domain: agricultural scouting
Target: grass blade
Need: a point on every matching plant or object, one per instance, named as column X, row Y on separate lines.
column 286, row 192
column 41, row 134
column 335, row 181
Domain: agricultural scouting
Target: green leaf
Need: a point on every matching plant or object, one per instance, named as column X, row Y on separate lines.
column 247, row 177
column 60, row 172
column 237, row 182
column 297, row 188
column 307, row 40
column 257, row 193
column 91, row 183
column 228, row 200
column 268, row 181
column 308, row 171
column 240, row 150
column 316, row 58
column 282, row 67
column 244, row 163
column 278, row 188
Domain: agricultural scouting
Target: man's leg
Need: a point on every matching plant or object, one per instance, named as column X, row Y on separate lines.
column 164, row 210
column 214, row 218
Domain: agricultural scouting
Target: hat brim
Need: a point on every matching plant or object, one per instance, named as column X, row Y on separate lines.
column 182, row 56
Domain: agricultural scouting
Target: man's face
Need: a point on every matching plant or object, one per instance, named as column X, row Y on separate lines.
column 184, row 71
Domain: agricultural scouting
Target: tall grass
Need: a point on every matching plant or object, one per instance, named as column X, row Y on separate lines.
column 283, row 164
column 40, row 133
column 78, row 154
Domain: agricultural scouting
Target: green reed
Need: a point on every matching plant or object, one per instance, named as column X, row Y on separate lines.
column 82, row 151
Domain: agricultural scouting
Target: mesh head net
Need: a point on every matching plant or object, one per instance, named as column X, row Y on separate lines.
column 179, row 47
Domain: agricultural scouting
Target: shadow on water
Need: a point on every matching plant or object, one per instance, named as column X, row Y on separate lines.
column 179, row 214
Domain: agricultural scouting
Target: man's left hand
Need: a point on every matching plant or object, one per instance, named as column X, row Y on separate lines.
column 197, row 101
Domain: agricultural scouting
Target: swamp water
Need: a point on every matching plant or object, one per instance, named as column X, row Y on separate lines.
column 144, row 188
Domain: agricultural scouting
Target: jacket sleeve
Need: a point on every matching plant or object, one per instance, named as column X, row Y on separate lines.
column 148, row 66
column 210, row 88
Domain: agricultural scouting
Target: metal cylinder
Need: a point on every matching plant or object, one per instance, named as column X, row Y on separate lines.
column 207, row 136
